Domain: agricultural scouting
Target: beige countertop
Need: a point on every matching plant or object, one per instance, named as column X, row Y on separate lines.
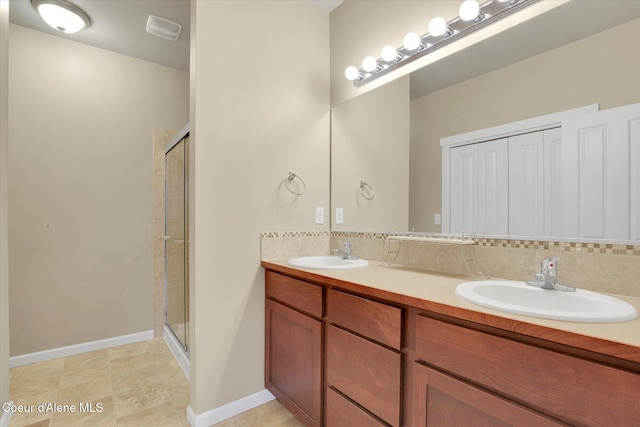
column 435, row 291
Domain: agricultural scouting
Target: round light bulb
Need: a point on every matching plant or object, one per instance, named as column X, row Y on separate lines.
column 411, row 41
column 389, row 53
column 437, row 26
column 351, row 72
column 469, row 10
column 369, row 64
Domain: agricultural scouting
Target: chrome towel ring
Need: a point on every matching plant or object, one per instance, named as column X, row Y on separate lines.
column 366, row 190
column 288, row 181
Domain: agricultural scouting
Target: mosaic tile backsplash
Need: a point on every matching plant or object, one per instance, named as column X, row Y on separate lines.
column 600, row 267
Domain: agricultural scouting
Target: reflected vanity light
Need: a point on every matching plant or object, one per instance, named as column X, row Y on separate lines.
column 369, row 64
column 62, row 15
column 390, row 54
column 473, row 16
column 438, row 27
column 469, row 10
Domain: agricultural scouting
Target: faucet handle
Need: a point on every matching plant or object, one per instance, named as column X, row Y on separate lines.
column 549, row 266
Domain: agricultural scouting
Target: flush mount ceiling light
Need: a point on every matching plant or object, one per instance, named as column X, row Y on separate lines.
column 62, row 15
column 473, row 17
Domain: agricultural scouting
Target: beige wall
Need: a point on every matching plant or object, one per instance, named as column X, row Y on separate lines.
column 4, row 245
column 260, row 108
column 80, row 144
column 370, row 141
column 603, row 68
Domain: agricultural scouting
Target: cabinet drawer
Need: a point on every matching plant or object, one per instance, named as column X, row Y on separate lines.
column 341, row 412
column 367, row 373
column 567, row 388
column 445, row 401
column 374, row 320
column 296, row 293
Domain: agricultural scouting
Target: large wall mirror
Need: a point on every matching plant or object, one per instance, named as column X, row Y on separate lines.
column 578, row 54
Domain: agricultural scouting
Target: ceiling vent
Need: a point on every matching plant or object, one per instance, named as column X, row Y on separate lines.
column 164, row 28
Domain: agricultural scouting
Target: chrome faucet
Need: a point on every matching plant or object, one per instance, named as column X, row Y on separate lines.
column 345, row 252
column 548, row 277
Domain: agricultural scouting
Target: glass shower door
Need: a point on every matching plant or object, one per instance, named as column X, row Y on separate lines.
column 176, row 241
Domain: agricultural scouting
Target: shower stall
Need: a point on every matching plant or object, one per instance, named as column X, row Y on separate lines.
column 176, row 237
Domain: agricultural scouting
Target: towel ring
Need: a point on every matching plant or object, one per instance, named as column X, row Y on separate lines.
column 288, row 181
column 366, row 190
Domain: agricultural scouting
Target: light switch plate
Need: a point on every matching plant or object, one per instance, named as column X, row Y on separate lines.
column 436, row 219
column 319, row 215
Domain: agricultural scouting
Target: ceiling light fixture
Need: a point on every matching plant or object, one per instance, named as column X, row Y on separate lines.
column 473, row 17
column 62, row 15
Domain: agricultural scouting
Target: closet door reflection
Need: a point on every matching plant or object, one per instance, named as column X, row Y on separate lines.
column 176, row 241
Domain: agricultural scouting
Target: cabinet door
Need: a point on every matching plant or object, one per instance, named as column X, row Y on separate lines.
column 526, row 184
column 463, row 171
column 599, row 175
column 552, row 182
column 447, row 402
column 293, row 361
column 479, row 188
column 493, row 188
column 535, row 195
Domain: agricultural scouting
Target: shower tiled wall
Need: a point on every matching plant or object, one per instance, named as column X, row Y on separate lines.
column 609, row 268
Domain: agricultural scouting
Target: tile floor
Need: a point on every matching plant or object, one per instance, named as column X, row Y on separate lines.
column 136, row 384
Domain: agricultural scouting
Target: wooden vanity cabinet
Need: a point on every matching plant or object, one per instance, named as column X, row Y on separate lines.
column 338, row 359
column 293, row 346
column 479, row 374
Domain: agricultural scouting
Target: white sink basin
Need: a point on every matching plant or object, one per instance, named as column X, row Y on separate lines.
column 519, row 298
column 327, row 262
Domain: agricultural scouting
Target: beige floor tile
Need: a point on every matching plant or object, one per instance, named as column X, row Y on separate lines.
column 139, row 396
column 99, row 414
column 21, row 419
column 170, row 372
column 36, row 378
column 271, row 413
column 161, row 415
column 179, row 396
column 43, row 423
column 127, row 350
column 157, row 346
column 237, row 421
column 131, row 362
column 27, row 398
column 81, row 362
column 139, row 371
column 78, row 376
column 88, row 391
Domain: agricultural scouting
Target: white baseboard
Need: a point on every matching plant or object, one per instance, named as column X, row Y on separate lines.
column 177, row 350
column 6, row 417
column 229, row 410
column 41, row 356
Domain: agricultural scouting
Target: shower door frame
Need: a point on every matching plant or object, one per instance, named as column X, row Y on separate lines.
column 180, row 136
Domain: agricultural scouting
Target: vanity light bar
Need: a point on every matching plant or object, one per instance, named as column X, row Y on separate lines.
column 417, row 46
